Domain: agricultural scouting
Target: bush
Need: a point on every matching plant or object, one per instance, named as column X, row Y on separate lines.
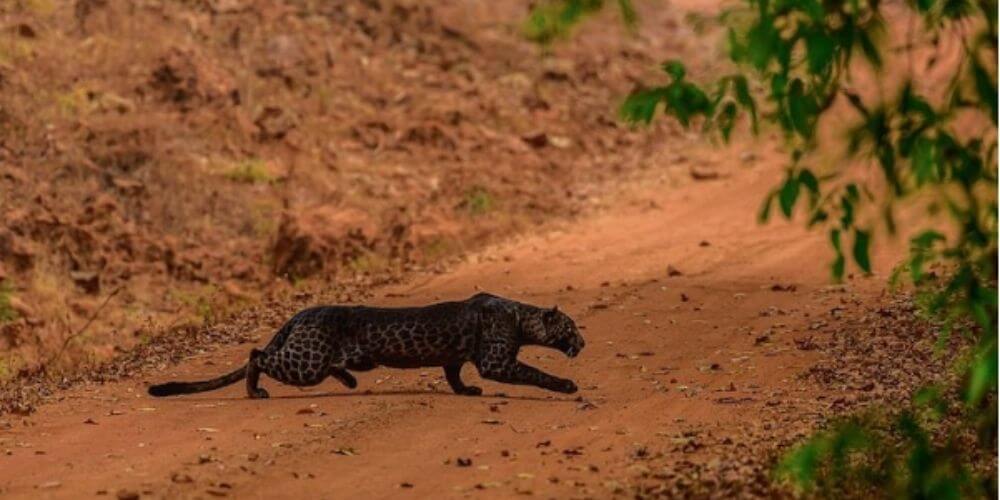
column 794, row 60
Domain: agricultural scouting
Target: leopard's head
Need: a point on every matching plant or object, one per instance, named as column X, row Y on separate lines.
column 561, row 332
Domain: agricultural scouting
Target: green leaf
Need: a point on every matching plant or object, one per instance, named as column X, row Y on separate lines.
column 818, row 216
column 554, row 19
column 927, row 238
column 640, row 105
column 737, row 49
column 930, row 397
column 837, row 268
column 802, row 464
column 762, row 41
column 852, row 192
column 726, row 119
column 765, row 210
column 787, row 195
column 675, row 69
column 910, row 102
column 685, row 100
column 820, row 50
column 800, row 108
column 847, row 211
column 924, row 161
column 869, row 49
column 957, row 9
column 813, row 9
column 808, row 179
column 677, row 104
column 857, row 103
column 742, row 90
column 986, row 86
column 983, row 376
column 862, row 242
column 920, row 251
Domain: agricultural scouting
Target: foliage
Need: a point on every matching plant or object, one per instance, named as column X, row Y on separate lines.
column 7, row 312
column 251, row 171
column 795, row 61
column 890, row 455
column 554, row 20
column 478, row 201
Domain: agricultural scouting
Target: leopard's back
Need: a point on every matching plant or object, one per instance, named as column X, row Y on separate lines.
column 403, row 337
column 417, row 336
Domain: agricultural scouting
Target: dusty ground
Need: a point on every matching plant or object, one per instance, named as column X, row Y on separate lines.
column 262, row 156
column 706, row 366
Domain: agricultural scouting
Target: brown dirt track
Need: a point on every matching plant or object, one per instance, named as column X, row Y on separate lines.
column 713, row 342
column 697, row 367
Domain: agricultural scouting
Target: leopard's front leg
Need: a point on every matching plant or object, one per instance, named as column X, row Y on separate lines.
column 453, row 373
column 496, row 358
column 512, row 371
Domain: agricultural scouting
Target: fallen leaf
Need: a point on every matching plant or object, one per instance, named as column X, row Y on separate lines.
column 536, row 139
column 127, row 495
column 181, row 478
column 699, row 173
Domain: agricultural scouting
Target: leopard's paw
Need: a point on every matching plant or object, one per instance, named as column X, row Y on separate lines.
column 471, row 391
column 259, row 394
column 565, row 387
column 347, row 379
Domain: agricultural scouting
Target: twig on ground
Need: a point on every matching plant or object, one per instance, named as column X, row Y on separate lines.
column 81, row 331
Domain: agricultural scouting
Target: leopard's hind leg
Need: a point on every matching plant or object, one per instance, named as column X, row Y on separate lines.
column 350, row 357
column 286, row 365
column 254, row 368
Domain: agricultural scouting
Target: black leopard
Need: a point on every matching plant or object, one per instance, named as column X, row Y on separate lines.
column 484, row 329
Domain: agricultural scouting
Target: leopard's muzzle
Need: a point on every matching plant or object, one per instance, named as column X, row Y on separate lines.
column 572, row 347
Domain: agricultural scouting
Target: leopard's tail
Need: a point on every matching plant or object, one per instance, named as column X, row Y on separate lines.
column 175, row 388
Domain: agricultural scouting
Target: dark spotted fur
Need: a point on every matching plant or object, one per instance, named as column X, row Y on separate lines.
column 332, row 341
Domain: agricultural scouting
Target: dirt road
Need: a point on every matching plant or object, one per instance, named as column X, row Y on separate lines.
column 683, row 363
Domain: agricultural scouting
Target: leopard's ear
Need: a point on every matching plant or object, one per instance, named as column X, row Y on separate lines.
column 551, row 313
